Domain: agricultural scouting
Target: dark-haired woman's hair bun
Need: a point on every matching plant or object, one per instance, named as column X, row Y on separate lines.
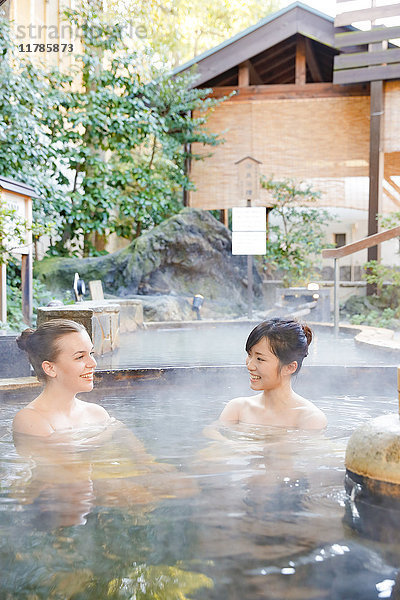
column 287, row 338
column 23, row 339
column 307, row 333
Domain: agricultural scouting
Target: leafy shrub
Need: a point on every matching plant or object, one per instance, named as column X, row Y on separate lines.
column 41, row 297
column 371, row 311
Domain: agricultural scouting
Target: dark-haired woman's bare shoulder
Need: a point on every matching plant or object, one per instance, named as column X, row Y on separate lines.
column 231, row 412
column 311, row 416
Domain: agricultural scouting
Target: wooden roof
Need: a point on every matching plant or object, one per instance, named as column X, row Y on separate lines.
column 270, row 46
column 17, row 187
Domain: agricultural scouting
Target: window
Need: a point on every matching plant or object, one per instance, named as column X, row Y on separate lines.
column 340, row 239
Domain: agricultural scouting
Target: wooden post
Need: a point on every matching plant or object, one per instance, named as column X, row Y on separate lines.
column 398, row 386
column 26, row 287
column 336, row 276
column 376, row 158
column 187, row 165
column 301, row 69
column 249, row 281
column 223, row 216
column 3, row 292
column 244, row 74
column 375, row 162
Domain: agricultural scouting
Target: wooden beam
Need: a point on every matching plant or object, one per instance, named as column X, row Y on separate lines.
column 367, row 14
column 278, row 50
column 226, row 77
column 365, row 59
column 275, row 66
column 391, row 196
column 254, row 76
column 312, row 62
column 280, row 74
column 291, row 90
column 378, row 34
column 381, row 72
column 367, row 242
column 244, row 74
column 301, row 69
column 392, row 183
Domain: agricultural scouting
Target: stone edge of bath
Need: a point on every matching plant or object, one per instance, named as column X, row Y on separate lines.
column 368, row 336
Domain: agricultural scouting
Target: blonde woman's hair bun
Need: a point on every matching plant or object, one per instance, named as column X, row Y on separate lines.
column 23, row 339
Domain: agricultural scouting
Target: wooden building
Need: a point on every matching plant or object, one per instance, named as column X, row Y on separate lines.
column 17, row 196
column 287, row 113
column 42, row 32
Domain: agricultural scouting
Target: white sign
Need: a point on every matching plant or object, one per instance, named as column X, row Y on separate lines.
column 249, row 218
column 249, row 242
column 249, row 230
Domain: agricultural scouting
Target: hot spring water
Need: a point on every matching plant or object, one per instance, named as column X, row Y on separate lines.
column 258, row 513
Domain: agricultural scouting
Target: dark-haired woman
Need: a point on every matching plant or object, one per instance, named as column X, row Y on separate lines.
column 275, row 351
column 61, row 353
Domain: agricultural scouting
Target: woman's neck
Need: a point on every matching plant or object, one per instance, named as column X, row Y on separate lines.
column 57, row 398
column 279, row 398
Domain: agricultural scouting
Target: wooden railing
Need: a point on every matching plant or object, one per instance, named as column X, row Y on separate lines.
column 336, row 253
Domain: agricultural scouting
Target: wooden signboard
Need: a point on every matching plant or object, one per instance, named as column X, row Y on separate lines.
column 248, row 170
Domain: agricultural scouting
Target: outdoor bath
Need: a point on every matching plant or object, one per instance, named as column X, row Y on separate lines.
column 260, row 514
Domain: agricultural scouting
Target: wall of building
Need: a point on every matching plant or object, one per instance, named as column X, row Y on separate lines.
column 304, row 138
column 40, row 22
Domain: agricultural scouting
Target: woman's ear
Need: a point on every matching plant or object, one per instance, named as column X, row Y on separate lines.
column 290, row 368
column 48, row 368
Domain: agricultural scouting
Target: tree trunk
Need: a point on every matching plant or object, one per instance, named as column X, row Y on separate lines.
column 100, row 241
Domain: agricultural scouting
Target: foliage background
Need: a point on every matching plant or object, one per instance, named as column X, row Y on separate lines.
column 296, row 232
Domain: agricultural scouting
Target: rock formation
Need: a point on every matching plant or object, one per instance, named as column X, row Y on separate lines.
column 188, row 254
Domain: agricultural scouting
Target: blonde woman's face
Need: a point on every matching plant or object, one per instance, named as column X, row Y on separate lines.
column 74, row 366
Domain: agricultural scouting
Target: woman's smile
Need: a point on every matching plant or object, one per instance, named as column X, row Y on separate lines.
column 254, row 377
column 88, row 376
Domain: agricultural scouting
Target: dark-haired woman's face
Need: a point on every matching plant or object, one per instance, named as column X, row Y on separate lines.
column 263, row 366
column 74, row 366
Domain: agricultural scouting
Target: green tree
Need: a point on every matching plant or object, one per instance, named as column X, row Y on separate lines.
column 26, row 150
column 12, row 231
column 125, row 139
column 296, row 234
column 386, row 278
column 178, row 30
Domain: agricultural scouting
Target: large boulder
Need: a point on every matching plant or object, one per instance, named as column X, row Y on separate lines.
column 188, row 254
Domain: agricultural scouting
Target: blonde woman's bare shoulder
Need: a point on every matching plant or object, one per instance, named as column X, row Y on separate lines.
column 29, row 421
column 95, row 412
